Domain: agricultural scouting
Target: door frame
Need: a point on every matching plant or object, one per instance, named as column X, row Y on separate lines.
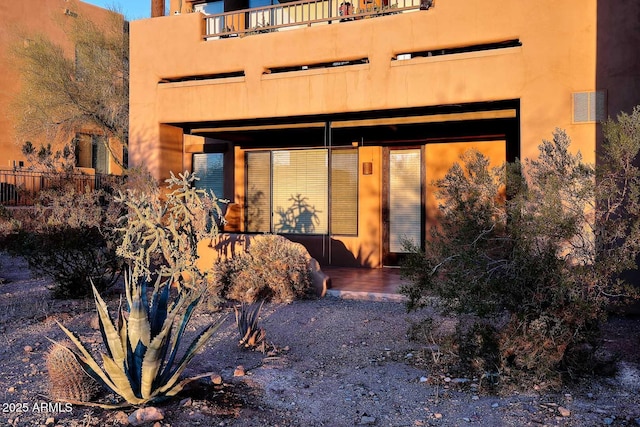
column 395, row 258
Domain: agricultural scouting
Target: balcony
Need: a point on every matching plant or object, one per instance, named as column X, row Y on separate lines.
column 301, row 14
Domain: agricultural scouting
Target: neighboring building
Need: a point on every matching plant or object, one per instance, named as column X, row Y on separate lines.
column 331, row 131
column 19, row 20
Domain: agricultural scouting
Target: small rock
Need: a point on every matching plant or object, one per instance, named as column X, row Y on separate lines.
column 94, row 323
column 447, row 380
column 474, row 397
column 121, row 418
column 367, row 420
column 50, row 421
column 628, row 376
column 495, row 405
column 216, row 379
column 468, row 420
column 409, row 356
column 608, row 421
column 145, row 415
column 423, row 379
column 437, row 416
column 186, row 402
column 28, row 349
column 564, row 411
column 239, row 371
column 157, row 424
column 11, row 390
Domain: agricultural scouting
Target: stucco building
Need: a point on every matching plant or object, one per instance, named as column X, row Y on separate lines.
column 327, row 124
column 22, row 21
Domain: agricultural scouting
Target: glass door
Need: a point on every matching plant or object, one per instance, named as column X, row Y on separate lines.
column 404, row 205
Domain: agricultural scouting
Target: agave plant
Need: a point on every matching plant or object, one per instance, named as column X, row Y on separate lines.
column 142, row 348
column 247, row 320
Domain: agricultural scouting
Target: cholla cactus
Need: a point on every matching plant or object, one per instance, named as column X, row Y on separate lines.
column 166, row 230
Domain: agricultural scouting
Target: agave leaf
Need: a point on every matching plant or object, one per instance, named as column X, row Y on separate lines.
column 122, row 326
column 175, row 342
column 142, row 287
column 178, row 387
column 110, row 336
column 159, row 309
column 128, row 283
column 120, row 379
column 162, row 355
column 195, row 346
column 138, row 326
column 87, row 358
column 152, row 362
column 134, row 368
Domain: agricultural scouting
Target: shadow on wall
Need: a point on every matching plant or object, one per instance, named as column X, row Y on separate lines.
column 300, row 217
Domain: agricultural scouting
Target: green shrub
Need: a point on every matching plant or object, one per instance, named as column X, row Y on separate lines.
column 544, row 241
column 272, row 268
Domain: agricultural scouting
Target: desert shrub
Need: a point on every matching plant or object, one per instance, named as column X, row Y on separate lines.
column 73, row 257
column 544, row 241
column 69, row 237
column 272, row 268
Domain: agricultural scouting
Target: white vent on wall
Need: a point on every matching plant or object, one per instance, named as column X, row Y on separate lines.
column 589, row 107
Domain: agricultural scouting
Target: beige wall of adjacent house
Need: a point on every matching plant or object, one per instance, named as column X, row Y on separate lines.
column 558, row 56
column 21, row 21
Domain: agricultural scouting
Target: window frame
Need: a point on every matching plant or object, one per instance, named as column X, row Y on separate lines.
column 329, row 194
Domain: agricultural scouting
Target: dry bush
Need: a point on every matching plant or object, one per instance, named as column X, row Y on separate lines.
column 272, row 268
column 549, row 256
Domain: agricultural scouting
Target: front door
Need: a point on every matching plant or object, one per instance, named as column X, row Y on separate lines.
column 403, row 213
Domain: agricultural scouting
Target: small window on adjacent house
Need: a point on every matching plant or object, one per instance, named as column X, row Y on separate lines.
column 92, row 152
column 589, row 107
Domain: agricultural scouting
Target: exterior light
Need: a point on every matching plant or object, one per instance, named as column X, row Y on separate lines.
column 367, row 168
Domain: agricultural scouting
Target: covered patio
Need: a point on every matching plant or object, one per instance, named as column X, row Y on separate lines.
column 379, row 284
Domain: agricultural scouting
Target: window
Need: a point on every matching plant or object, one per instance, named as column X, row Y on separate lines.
column 210, row 8
column 209, row 168
column 258, row 192
column 344, row 197
column 302, row 191
column 92, row 152
column 299, row 191
column 589, row 107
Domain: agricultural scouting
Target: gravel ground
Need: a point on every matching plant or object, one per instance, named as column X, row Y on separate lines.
column 331, row 362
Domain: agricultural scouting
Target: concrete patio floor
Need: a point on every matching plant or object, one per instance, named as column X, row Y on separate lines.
column 379, row 284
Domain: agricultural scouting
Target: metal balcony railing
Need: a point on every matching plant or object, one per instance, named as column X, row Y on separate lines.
column 21, row 188
column 304, row 13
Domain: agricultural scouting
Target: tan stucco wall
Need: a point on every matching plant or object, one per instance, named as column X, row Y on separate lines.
column 554, row 61
column 558, row 56
column 20, row 21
